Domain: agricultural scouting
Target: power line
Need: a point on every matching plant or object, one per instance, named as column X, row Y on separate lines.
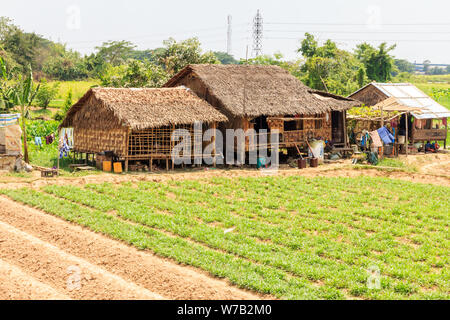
column 355, row 24
column 366, row 40
column 361, row 32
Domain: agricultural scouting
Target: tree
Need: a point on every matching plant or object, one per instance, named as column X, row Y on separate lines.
column 404, row 66
column 329, row 68
column 361, row 77
column 308, row 46
column 225, row 58
column 448, row 69
column 136, row 74
column 21, row 94
column 177, row 55
column 46, row 93
column 116, row 52
column 378, row 62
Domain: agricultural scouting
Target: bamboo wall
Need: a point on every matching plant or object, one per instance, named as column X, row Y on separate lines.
column 370, row 96
column 156, row 143
column 96, row 129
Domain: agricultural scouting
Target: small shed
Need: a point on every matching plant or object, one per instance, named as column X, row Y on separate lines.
column 10, row 141
column 426, row 122
column 267, row 98
column 136, row 124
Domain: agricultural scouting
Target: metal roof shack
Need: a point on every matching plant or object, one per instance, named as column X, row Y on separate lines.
column 406, row 94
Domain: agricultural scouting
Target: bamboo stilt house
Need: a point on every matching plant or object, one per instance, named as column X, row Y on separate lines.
column 268, row 98
column 136, row 124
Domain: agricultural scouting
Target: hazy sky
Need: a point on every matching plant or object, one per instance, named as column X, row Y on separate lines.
column 420, row 28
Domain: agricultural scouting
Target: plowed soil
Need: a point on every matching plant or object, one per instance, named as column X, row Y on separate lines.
column 43, row 257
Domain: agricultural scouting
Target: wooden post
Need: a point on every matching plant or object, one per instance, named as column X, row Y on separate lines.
column 214, row 144
column 407, row 135
column 382, row 126
column 446, row 135
column 151, row 164
column 167, row 164
column 127, row 151
column 344, row 120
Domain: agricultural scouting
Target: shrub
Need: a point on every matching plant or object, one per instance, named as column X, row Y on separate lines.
column 46, row 93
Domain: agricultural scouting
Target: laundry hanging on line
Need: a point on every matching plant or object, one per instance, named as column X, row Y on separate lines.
column 38, row 141
column 376, row 140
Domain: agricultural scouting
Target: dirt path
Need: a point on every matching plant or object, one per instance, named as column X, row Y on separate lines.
column 53, row 255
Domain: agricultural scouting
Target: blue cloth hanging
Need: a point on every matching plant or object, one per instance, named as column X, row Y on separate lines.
column 386, row 136
column 64, row 151
column 38, row 141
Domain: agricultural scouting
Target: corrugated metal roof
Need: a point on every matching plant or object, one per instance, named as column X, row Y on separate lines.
column 409, row 95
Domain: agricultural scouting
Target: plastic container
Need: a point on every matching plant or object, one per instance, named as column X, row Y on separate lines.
column 107, row 166
column 388, row 150
column 261, row 162
column 318, row 150
column 301, row 163
column 117, row 167
column 401, row 139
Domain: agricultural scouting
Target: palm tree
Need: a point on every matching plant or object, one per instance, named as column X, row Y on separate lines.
column 21, row 94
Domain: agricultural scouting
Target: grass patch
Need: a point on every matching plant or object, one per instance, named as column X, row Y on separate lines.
column 293, row 237
column 79, row 88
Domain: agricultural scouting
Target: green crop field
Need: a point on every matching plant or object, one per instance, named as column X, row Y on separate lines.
column 291, row 237
column 79, row 88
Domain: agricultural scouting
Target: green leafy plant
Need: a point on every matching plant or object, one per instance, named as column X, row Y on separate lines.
column 46, row 93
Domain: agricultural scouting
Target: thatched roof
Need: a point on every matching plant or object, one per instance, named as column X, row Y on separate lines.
column 335, row 102
column 252, row 90
column 148, row 108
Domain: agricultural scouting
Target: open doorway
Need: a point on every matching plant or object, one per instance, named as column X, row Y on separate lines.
column 337, row 124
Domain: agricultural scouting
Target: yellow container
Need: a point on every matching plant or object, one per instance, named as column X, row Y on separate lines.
column 107, row 166
column 117, row 167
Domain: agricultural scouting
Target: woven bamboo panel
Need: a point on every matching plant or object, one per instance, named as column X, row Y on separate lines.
column 156, row 143
column 94, row 141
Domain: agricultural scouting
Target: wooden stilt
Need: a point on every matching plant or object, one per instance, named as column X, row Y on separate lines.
column 214, row 144
column 407, row 135
column 151, row 164
column 167, row 164
column 126, row 164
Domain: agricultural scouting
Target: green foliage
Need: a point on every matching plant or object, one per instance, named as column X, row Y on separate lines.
column 292, row 237
column 378, row 62
column 60, row 115
column 41, row 128
column 115, row 52
column 329, row 68
column 225, row 58
column 46, row 93
column 176, row 55
column 309, row 46
column 65, row 65
column 136, row 74
column 404, row 66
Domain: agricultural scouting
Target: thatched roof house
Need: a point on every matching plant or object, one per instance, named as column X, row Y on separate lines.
column 266, row 97
column 135, row 124
column 141, row 108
